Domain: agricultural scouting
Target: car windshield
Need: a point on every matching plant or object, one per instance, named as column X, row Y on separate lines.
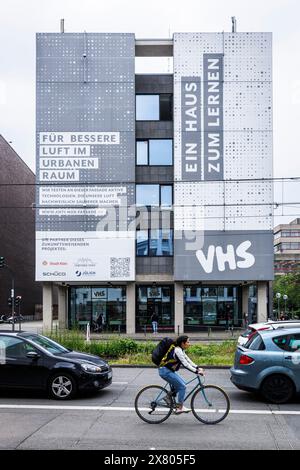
column 48, row 344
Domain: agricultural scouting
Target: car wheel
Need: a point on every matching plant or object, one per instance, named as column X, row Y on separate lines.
column 62, row 386
column 277, row 389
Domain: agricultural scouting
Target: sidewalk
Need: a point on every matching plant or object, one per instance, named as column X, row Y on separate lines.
column 209, row 335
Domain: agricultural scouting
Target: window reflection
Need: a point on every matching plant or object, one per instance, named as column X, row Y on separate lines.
column 166, row 196
column 142, row 152
column 161, row 152
column 158, row 299
column 147, row 194
column 147, row 107
column 154, row 107
column 211, row 306
column 142, row 243
column 89, row 303
column 154, row 195
column 154, row 242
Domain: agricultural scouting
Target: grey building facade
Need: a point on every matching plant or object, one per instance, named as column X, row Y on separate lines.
column 175, row 161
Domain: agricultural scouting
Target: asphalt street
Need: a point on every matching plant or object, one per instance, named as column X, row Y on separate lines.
column 107, row 420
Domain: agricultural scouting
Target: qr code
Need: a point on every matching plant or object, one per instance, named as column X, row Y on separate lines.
column 119, row 267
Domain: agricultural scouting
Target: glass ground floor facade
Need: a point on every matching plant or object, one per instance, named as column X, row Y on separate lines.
column 91, row 303
column 204, row 306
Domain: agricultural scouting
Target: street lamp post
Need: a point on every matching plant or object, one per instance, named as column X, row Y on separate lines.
column 278, row 296
column 285, row 297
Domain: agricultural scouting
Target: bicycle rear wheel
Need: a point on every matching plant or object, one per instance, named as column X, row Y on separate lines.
column 153, row 405
column 210, row 404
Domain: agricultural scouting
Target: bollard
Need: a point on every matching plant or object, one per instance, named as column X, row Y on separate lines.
column 178, row 329
column 208, row 331
column 88, row 333
column 145, row 330
column 119, row 327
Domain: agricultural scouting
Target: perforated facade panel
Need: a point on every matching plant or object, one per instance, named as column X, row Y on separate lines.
column 222, row 147
column 85, row 155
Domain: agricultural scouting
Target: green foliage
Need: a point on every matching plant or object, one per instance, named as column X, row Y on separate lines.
column 288, row 284
column 129, row 351
column 113, row 348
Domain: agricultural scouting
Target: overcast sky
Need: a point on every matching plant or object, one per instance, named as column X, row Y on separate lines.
column 21, row 19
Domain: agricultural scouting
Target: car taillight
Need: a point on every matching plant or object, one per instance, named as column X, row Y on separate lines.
column 265, row 328
column 246, row 360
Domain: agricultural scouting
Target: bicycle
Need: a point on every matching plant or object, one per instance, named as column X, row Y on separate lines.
column 210, row 404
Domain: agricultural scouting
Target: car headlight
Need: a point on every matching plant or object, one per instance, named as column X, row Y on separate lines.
column 93, row 369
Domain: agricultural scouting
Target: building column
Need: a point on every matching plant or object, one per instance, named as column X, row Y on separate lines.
column 245, row 305
column 179, row 308
column 130, row 308
column 47, row 306
column 262, row 302
column 62, row 307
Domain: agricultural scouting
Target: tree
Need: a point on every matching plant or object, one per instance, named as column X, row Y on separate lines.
column 288, row 284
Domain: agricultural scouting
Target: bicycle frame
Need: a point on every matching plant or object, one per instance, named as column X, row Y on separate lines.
column 198, row 385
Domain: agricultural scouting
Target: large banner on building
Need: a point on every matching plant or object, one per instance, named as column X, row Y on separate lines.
column 85, row 147
column 223, row 211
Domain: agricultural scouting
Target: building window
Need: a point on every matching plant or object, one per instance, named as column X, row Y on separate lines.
column 154, row 195
column 153, row 152
column 210, row 306
column 142, row 243
column 154, row 107
column 88, row 303
column 166, row 195
column 158, row 299
column 287, row 234
column 154, row 242
column 142, row 152
column 288, row 246
column 147, row 107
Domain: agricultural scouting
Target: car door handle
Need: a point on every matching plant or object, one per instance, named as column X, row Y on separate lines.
column 288, row 357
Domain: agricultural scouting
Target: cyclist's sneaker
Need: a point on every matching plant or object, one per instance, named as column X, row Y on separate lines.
column 178, row 411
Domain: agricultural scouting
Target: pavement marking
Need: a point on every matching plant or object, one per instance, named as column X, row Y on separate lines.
column 128, row 408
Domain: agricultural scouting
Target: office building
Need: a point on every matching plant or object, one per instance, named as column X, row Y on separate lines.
column 150, row 194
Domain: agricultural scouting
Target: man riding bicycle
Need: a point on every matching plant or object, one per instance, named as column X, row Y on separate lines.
column 170, row 364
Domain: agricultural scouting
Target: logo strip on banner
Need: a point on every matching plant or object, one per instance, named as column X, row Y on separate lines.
column 191, row 128
column 213, row 67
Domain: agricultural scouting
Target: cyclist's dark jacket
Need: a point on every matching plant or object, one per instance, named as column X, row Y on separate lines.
column 176, row 357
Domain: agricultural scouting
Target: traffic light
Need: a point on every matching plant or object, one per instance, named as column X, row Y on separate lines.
column 10, row 301
column 2, row 261
column 18, row 300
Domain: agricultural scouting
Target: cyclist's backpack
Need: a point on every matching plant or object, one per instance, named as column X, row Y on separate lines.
column 161, row 350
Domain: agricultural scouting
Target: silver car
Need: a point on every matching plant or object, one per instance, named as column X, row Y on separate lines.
column 269, row 325
column 269, row 363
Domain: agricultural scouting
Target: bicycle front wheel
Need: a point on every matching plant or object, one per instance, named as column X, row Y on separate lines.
column 210, row 404
column 153, row 405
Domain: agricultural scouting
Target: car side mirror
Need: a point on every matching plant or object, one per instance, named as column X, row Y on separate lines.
column 33, row 355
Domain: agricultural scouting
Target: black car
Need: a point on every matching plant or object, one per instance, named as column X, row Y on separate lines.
column 32, row 361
